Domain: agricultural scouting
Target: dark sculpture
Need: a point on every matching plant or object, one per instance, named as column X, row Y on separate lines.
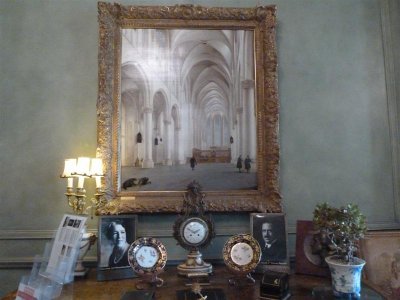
column 194, row 199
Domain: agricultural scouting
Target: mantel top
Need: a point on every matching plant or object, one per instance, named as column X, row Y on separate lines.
column 301, row 287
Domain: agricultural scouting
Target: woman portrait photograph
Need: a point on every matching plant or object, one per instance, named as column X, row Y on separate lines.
column 116, row 234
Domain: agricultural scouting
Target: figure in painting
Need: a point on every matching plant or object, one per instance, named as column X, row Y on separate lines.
column 239, row 163
column 139, row 138
column 144, row 181
column 129, row 183
column 247, row 163
column 193, row 162
column 133, row 182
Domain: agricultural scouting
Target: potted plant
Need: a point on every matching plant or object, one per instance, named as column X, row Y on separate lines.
column 343, row 227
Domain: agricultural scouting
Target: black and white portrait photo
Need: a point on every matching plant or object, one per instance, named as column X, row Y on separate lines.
column 116, row 233
column 269, row 230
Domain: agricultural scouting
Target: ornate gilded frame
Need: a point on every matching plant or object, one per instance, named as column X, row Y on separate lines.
column 262, row 20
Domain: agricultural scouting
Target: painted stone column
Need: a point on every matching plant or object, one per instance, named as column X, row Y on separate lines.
column 234, row 153
column 213, row 132
column 240, row 143
column 249, row 115
column 181, row 157
column 148, row 130
column 166, row 141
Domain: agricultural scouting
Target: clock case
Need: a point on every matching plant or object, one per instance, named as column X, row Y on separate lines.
column 194, row 210
column 180, row 224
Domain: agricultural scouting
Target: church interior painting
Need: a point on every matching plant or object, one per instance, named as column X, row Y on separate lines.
column 187, row 93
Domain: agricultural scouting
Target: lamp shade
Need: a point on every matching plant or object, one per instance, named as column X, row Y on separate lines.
column 69, row 168
column 82, row 167
column 97, row 167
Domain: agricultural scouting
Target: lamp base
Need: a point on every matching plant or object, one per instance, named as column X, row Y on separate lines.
column 82, row 273
column 88, row 239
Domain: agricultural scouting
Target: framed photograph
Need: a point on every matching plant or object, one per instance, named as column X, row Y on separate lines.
column 309, row 256
column 116, row 234
column 269, row 229
column 188, row 93
column 381, row 251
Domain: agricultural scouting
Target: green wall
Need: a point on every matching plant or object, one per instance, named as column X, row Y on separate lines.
column 338, row 68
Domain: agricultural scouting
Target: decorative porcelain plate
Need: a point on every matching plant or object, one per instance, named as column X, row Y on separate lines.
column 147, row 256
column 241, row 253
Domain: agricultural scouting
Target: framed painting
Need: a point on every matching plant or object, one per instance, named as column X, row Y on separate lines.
column 188, row 93
column 269, row 229
column 381, row 251
column 116, row 234
column 309, row 257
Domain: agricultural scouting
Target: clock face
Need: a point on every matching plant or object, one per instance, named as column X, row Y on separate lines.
column 147, row 256
column 242, row 254
column 195, row 231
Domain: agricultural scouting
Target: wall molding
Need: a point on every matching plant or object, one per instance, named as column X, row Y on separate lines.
column 162, row 233
column 39, row 234
column 26, row 262
column 392, row 101
column 45, row 234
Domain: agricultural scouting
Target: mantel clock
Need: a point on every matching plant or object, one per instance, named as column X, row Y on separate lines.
column 194, row 230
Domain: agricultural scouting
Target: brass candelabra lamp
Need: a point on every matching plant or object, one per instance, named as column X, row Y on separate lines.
column 82, row 168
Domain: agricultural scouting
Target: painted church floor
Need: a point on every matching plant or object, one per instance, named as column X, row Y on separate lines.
column 211, row 176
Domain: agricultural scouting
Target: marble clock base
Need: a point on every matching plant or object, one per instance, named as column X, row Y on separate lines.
column 194, row 265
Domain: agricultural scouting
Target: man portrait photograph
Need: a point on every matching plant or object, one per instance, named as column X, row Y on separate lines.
column 270, row 232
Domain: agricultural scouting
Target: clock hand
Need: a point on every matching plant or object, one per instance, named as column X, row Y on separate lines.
column 196, row 231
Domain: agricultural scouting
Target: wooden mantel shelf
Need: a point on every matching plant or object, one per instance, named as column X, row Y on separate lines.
column 301, row 287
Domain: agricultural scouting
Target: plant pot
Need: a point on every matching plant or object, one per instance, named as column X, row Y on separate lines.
column 346, row 277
